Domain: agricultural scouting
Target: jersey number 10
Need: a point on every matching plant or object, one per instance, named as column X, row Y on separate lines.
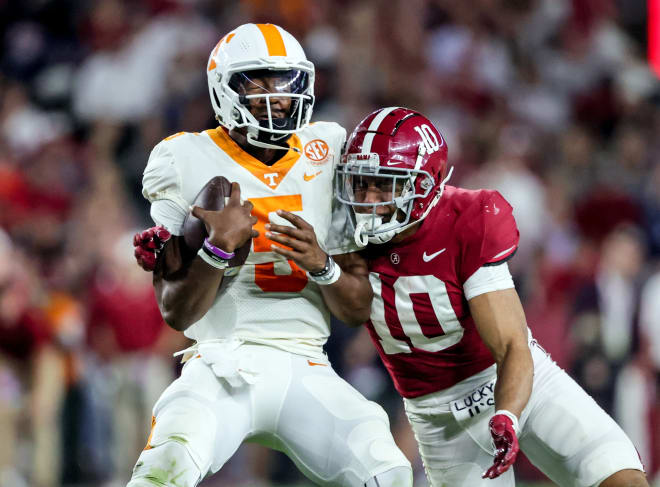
column 413, row 310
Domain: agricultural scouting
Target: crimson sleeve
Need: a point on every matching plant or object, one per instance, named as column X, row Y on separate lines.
column 487, row 233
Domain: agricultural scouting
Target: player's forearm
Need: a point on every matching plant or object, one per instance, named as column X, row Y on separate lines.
column 185, row 299
column 515, row 372
column 349, row 299
column 500, row 320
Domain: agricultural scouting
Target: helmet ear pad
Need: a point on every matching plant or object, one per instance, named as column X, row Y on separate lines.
column 422, row 184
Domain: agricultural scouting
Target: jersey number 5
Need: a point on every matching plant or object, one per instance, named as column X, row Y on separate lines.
column 413, row 311
column 264, row 274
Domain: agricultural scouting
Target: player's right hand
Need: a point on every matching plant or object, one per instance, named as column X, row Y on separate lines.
column 230, row 227
column 506, row 445
column 147, row 244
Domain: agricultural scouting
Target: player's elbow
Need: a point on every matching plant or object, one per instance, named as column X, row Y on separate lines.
column 176, row 324
column 354, row 316
column 514, row 351
column 175, row 320
column 179, row 311
column 356, row 310
column 353, row 323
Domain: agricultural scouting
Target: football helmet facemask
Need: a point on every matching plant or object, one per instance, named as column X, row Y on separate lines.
column 251, row 68
column 400, row 153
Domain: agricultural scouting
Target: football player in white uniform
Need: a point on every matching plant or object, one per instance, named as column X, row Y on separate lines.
column 257, row 371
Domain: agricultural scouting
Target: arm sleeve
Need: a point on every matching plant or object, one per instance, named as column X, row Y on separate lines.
column 161, row 185
column 488, row 234
column 488, row 279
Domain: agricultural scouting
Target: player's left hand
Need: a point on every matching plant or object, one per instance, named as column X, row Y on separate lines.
column 301, row 238
column 147, row 244
column 506, row 445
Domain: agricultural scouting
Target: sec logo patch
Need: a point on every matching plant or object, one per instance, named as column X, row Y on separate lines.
column 317, row 151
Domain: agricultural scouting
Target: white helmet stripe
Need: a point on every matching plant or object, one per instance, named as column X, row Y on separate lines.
column 373, row 127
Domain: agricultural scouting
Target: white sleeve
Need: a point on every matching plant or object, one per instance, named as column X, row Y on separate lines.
column 161, row 185
column 168, row 214
column 487, row 279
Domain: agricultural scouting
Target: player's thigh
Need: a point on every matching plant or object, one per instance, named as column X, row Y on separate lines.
column 332, row 433
column 451, row 454
column 199, row 422
column 568, row 436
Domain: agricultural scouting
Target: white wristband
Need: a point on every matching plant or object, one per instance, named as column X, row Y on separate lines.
column 330, row 278
column 511, row 416
column 218, row 264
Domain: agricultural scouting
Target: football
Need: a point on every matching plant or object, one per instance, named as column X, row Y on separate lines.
column 211, row 197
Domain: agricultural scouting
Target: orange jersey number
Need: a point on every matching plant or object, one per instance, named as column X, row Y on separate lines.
column 264, row 274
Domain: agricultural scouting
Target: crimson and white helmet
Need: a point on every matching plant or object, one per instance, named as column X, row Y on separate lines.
column 254, row 51
column 404, row 152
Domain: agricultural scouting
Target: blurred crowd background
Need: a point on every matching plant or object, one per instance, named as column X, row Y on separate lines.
column 549, row 101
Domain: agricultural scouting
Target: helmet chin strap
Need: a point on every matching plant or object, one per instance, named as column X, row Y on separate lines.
column 361, row 236
column 252, row 139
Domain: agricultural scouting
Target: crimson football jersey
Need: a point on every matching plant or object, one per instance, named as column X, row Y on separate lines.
column 420, row 319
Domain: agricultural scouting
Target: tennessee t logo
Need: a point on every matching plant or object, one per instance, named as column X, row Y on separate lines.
column 271, row 178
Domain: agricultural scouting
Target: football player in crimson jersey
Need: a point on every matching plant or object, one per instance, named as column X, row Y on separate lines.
column 450, row 328
column 257, row 371
column 448, row 323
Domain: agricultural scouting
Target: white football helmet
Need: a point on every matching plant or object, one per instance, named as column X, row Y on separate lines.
column 242, row 58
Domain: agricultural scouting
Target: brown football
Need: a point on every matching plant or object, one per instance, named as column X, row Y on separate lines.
column 211, row 197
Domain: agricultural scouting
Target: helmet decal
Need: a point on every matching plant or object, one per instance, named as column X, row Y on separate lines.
column 373, row 128
column 429, row 138
column 273, row 38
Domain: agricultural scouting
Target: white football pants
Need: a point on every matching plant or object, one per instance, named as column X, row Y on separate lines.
column 248, row 392
column 563, row 431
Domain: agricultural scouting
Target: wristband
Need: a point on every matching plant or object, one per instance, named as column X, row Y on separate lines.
column 329, row 275
column 511, row 416
column 217, row 251
column 212, row 259
column 326, row 269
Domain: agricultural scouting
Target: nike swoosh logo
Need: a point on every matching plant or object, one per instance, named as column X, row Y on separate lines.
column 309, row 177
column 316, row 363
column 503, row 253
column 433, row 255
column 393, row 163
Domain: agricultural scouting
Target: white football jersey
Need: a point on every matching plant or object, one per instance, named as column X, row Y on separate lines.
column 268, row 299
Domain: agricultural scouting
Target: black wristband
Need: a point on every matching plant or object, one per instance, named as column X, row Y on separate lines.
column 325, row 270
column 213, row 256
